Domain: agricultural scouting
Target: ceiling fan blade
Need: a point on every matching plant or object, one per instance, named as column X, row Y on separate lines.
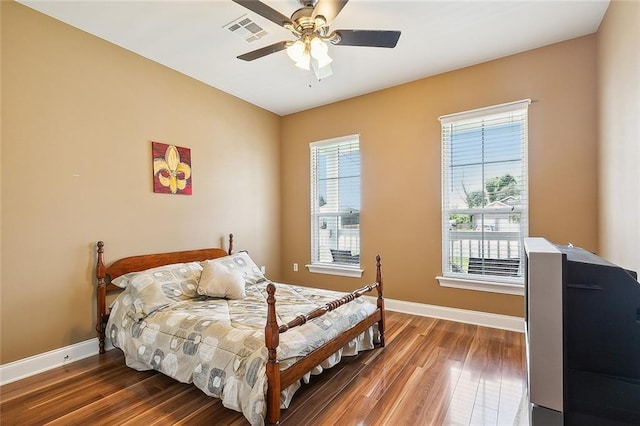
column 329, row 9
column 372, row 38
column 264, row 11
column 259, row 53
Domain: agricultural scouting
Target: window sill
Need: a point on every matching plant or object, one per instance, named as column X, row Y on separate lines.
column 344, row 271
column 492, row 287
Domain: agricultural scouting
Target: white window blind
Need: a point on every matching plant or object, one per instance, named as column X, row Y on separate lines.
column 485, row 197
column 335, row 202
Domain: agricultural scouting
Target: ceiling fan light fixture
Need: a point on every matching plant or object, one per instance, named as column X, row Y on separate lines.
column 305, row 51
column 319, row 52
column 296, row 51
column 304, row 62
column 324, row 61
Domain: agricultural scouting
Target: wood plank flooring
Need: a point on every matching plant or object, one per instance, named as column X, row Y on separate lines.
column 432, row 372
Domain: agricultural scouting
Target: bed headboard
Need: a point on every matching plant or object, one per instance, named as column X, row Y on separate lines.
column 140, row 263
column 146, row 261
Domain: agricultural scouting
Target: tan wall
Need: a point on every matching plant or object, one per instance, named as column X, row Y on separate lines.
column 79, row 115
column 400, row 149
column 619, row 133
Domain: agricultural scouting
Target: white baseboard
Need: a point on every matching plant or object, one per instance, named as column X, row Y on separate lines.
column 56, row 358
column 503, row 322
column 26, row 367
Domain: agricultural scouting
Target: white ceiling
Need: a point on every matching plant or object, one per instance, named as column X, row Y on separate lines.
column 437, row 36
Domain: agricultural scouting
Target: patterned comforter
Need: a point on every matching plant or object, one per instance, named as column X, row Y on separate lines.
column 218, row 344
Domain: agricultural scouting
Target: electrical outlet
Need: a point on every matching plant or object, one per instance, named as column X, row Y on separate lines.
column 295, row 267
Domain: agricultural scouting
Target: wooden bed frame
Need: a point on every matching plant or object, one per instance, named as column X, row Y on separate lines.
column 276, row 379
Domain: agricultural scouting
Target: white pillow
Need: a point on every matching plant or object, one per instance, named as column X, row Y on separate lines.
column 242, row 263
column 217, row 280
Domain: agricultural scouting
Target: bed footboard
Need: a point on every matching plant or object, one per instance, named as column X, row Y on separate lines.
column 278, row 380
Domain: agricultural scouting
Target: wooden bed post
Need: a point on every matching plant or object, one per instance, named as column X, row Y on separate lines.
column 102, row 297
column 381, row 323
column 272, row 339
column 230, row 243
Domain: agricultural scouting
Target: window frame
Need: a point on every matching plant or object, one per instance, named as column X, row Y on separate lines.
column 462, row 279
column 315, row 265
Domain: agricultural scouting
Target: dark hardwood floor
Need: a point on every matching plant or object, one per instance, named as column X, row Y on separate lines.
column 432, row 372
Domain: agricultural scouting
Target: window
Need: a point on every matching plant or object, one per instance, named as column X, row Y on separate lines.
column 484, row 197
column 335, row 206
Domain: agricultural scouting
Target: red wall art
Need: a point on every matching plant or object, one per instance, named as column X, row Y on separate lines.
column 171, row 169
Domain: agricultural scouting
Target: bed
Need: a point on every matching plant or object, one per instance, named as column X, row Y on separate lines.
column 235, row 346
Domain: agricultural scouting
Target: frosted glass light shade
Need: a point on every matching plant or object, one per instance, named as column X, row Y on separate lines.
column 303, row 53
column 296, row 51
column 304, row 62
column 319, row 51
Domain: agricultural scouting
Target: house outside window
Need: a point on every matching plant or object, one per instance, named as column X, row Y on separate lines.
column 485, row 198
column 335, row 206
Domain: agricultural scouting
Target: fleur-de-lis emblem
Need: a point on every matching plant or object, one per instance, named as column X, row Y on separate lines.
column 171, row 171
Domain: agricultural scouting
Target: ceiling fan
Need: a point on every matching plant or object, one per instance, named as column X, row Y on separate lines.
column 310, row 25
